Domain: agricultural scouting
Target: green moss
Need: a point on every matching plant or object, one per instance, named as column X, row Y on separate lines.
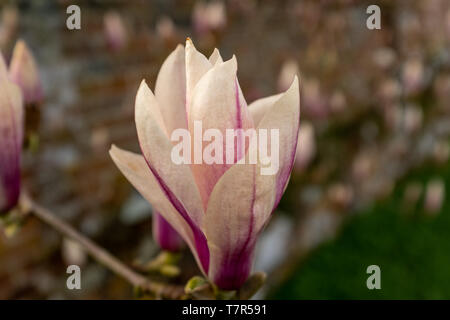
column 411, row 248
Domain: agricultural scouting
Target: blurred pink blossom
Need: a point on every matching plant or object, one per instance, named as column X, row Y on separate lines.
column 306, row 147
column 166, row 29
column 434, row 196
column 11, row 138
column 413, row 75
column 313, row 100
column 8, row 26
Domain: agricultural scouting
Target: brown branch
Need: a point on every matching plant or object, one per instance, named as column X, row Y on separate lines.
column 162, row 290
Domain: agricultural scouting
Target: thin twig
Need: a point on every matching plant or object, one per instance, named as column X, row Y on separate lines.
column 98, row 253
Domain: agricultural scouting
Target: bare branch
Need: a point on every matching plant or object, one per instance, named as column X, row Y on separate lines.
column 161, row 290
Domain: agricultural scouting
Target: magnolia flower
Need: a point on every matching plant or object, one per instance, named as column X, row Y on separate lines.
column 115, row 30
column 11, row 135
column 209, row 16
column 166, row 236
column 24, row 72
column 306, row 148
column 218, row 209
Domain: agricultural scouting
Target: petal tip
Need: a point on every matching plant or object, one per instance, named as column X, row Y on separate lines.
column 113, row 148
column 179, row 47
column 143, row 90
column 114, row 152
column 231, row 64
column 3, row 68
column 295, row 83
column 294, row 88
column 143, row 84
column 189, row 42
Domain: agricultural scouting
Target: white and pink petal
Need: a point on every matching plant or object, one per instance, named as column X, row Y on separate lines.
column 136, row 170
column 218, row 104
column 170, row 90
column 259, row 108
column 196, row 67
column 215, row 57
column 284, row 115
column 230, row 226
column 11, row 137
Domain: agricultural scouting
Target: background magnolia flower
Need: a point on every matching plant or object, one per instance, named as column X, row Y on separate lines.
column 219, row 209
column 434, row 196
column 115, row 31
column 306, row 149
column 313, row 99
column 24, row 72
column 11, row 136
column 166, row 29
column 209, row 16
column 165, row 235
column 9, row 23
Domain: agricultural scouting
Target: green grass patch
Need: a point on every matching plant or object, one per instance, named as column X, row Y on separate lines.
column 411, row 248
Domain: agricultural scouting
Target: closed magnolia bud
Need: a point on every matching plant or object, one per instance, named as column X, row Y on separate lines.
column 23, row 71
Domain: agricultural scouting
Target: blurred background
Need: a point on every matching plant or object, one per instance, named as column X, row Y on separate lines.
column 371, row 179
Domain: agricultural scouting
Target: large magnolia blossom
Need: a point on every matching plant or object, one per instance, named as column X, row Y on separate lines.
column 11, row 136
column 218, row 209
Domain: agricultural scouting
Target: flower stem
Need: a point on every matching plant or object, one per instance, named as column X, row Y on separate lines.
column 162, row 290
